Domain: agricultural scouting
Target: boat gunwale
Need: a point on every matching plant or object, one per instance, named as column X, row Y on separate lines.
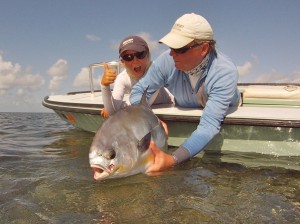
column 46, row 102
column 95, row 109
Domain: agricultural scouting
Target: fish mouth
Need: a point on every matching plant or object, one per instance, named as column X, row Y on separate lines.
column 101, row 172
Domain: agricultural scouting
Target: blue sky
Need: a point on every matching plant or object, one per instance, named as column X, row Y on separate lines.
column 46, row 46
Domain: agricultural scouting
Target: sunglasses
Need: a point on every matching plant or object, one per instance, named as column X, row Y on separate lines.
column 138, row 55
column 184, row 49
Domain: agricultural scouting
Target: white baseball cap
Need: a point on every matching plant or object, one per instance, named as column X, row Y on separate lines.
column 186, row 29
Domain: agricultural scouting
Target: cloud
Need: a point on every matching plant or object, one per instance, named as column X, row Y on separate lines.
column 8, row 74
column 153, row 44
column 277, row 77
column 245, row 69
column 59, row 72
column 92, row 37
column 12, row 76
column 30, row 81
column 82, row 79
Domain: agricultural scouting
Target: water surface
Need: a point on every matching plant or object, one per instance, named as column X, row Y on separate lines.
column 45, row 178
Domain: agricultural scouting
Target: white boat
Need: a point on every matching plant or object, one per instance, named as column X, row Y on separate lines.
column 268, row 122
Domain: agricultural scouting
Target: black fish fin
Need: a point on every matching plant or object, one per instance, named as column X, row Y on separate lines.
column 144, row 143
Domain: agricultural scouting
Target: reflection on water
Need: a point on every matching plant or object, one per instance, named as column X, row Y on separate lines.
column 45, row 178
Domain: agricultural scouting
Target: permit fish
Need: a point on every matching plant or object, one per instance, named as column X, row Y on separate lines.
column 120, row 147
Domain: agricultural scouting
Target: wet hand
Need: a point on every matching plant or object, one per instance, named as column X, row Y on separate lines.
column 109, row 76
column 162, row 160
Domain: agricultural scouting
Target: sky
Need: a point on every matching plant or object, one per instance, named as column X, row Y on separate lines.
column 46, row 46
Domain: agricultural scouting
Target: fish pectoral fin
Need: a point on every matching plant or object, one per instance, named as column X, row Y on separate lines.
column 144, row 143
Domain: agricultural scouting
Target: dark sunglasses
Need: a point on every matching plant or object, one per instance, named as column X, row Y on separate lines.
column 138, row 55
column 184, row 49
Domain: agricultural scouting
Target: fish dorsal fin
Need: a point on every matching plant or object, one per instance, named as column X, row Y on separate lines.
column 144, row 98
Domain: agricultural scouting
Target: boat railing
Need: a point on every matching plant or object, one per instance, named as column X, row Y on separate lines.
column 112, row 65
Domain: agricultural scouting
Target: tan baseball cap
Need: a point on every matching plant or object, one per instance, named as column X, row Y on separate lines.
column 186, row 29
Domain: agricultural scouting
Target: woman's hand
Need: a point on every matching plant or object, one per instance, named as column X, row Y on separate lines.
column 104, row 113
column 162, row 160
column 109, row 76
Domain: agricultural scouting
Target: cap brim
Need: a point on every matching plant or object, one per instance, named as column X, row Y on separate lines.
column 133, row 47
column 175, row 41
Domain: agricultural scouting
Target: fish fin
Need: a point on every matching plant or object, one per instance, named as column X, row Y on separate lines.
column 144, row 143
column 159, row 137
column 144, row 98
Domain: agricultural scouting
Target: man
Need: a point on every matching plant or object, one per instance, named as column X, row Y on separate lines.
column 198, row 76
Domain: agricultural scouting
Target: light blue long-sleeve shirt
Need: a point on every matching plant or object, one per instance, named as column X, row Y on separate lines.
column 220, row 88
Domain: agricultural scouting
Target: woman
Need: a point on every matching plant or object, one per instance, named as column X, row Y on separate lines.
column 136, row 59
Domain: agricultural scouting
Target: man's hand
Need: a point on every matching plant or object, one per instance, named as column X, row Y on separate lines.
column 162, row 160
column 109, row 76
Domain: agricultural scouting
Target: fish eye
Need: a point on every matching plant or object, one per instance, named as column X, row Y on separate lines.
column 108, row 154
column 112, row 154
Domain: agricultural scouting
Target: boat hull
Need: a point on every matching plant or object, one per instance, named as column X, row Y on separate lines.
column 272, row 140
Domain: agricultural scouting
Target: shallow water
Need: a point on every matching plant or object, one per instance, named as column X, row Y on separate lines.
column 45, row 178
